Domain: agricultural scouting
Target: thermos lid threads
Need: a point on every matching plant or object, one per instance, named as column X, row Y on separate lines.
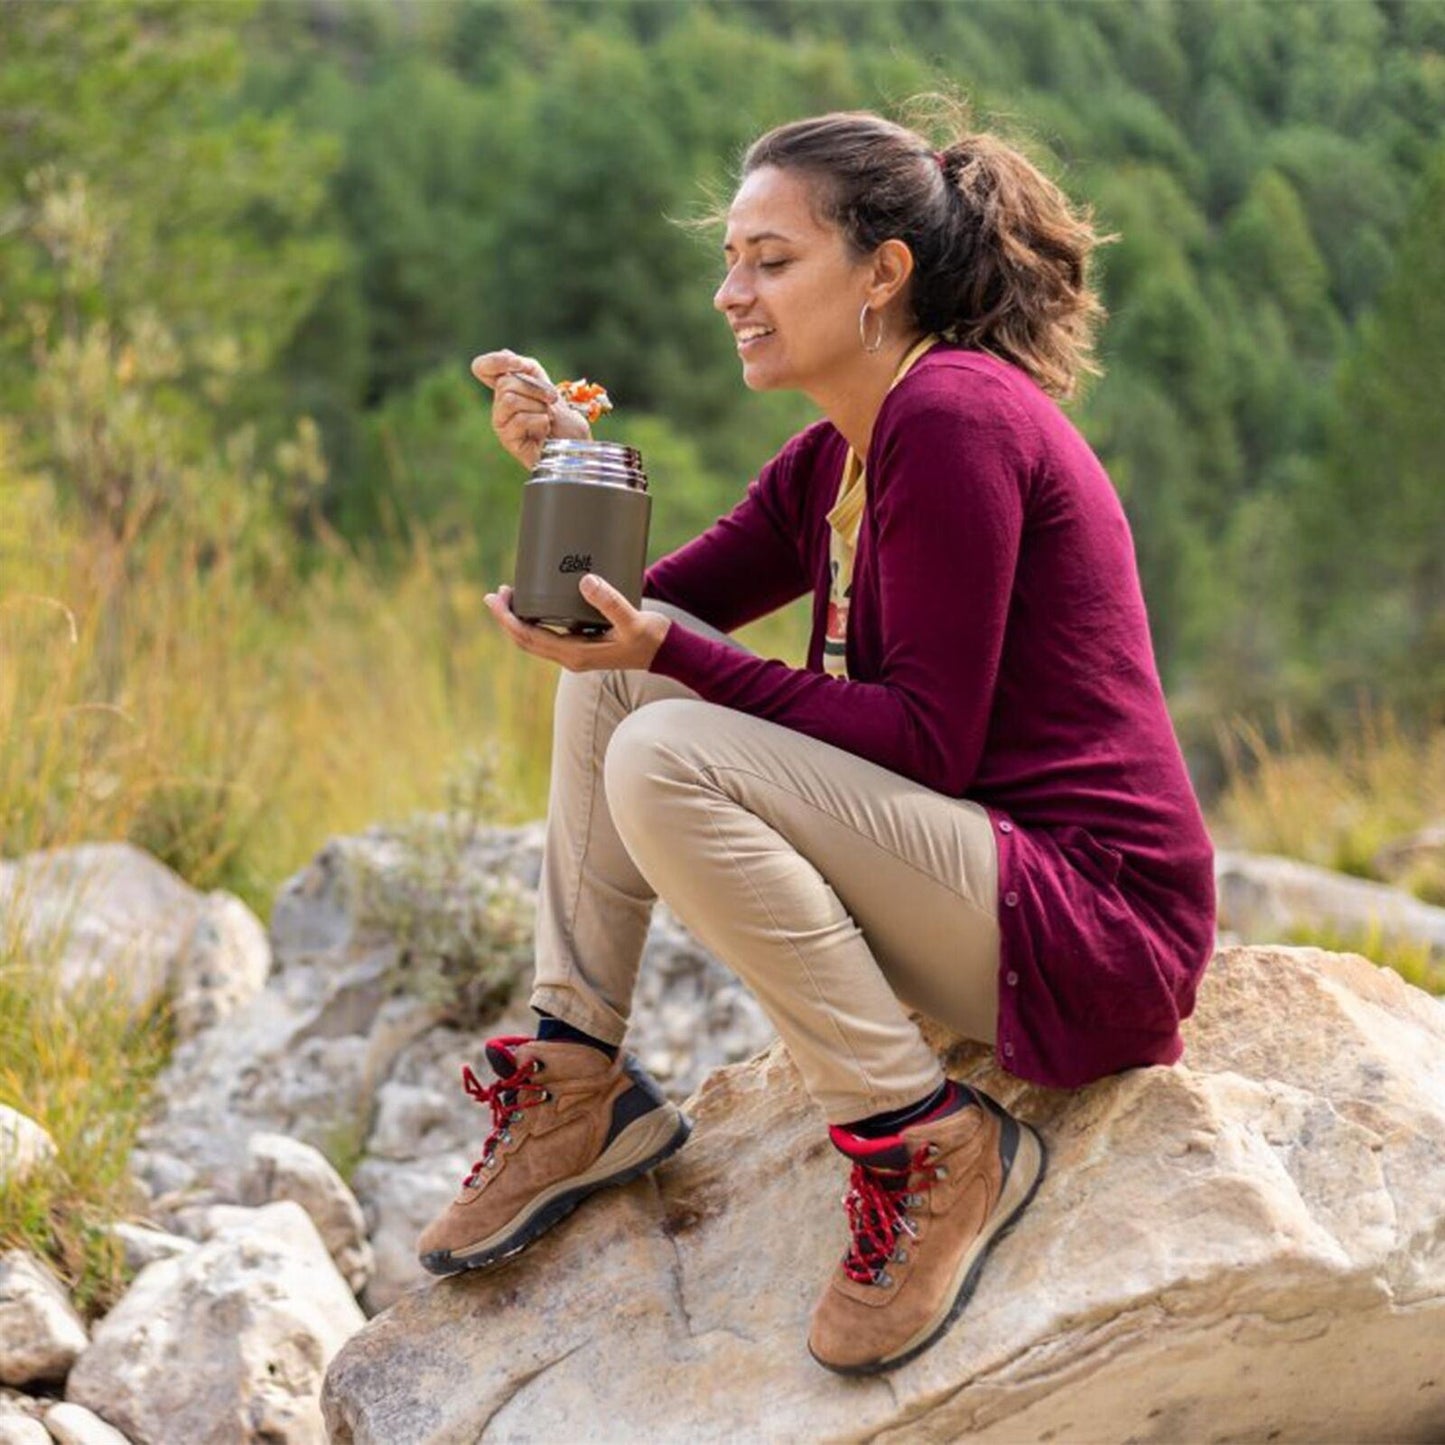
column 565, row 460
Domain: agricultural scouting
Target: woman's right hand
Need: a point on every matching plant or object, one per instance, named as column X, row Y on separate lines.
column 525, row 413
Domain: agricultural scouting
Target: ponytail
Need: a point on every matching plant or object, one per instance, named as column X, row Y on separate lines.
column 1000, row 255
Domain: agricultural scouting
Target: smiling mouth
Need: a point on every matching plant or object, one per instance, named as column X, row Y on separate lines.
column 749, row 336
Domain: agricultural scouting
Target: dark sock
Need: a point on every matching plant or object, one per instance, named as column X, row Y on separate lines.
column 948, row 1098
column 554, row 1031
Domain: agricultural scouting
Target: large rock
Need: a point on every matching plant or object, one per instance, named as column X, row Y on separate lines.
column 281, row 1168
column 228, row 1342
column 222, row 965
column 141, row 1245
column 368, row 917
column 23, row 1145
column 111, row 912
column 1262, row 897
column 40, row 1334
column 20, row 1421
column 75, row 1425
column 1249, row 1245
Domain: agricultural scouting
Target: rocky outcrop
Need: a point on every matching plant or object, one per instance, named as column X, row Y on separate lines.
column 1299, row 1141
column 356, row 1044
column 1249, row 1245
column 1262, row 898
column 393, row 953
column 227, row 1342
column 362, row 939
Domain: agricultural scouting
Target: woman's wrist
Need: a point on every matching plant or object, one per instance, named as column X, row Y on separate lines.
column 657, row 629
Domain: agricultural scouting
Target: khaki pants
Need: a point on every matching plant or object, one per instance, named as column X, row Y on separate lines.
column 839, row 892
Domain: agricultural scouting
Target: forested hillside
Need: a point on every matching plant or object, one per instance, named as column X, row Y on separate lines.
column 246, row 252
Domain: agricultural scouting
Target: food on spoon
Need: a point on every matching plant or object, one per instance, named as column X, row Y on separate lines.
column 587, row 397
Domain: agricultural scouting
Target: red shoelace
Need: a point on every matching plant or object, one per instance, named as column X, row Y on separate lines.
column 878, row 1202
column 507, row 1097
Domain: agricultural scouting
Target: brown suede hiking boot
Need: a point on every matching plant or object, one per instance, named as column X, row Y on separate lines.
column 566, row 1120
column 925, row 1206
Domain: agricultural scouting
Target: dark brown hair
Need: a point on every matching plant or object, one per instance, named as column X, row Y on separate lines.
column 1000, row 255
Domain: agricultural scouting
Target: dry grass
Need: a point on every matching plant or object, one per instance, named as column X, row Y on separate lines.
column 229, row 731
column 1336, row 806
column 1414, row 962
column 80, row 1063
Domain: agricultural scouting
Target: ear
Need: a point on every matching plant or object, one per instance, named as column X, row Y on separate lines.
column 892, row 265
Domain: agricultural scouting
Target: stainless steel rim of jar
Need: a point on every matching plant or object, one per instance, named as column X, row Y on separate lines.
column 575, row 446
column 564, row 460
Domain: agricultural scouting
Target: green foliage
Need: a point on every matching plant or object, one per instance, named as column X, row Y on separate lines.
column 1372, row 518
column 80, row 1063
column 162, row 251
column 323, row 213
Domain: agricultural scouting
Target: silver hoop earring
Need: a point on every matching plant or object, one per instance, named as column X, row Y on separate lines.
column 863, row 333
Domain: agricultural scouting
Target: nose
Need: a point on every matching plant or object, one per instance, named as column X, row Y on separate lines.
column 731, row 293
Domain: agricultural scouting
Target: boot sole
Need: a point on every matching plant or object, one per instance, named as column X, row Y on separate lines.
column 1030, row 1164
column 640, row 1138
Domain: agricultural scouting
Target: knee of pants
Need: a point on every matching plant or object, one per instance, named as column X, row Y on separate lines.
column 647, row 751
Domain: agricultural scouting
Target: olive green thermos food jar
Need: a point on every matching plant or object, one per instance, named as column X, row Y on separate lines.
column 585, row 508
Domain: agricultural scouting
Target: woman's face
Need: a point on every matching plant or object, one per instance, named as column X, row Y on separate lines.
column 793, row 288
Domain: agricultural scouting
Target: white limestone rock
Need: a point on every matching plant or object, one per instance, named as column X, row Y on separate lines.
column 278, row 1167
column 401, row 1200
column 40, row 1334
column 18, row 1429
column 143, row 1245
column 226, row 1343
column 1247, row 1246
column 20, row 1420
column 24, row 1145
column 100, row 911
column 1261, row 898
column 110, row 911
column 21, row 1430
column 307, row 1056
column 75, row 1425
column 222, row 965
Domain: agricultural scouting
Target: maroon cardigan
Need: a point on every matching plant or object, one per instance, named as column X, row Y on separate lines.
column 998, row 650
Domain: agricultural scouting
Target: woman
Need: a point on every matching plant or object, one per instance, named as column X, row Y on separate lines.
column 970, row 803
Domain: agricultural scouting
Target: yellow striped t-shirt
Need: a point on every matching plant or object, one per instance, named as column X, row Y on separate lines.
column 844, row 520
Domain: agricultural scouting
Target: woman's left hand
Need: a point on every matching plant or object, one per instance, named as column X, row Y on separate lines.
column 631, row 643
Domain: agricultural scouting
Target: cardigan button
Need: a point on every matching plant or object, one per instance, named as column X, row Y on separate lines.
column 1011, row 899
column 1012, row 979
column 1008, row 1050
column 1005, row 826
